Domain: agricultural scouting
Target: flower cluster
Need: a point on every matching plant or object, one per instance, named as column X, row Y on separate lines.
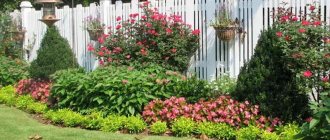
column 39, row 90
column 150, row 37
column 304, row 39
column 222, row 110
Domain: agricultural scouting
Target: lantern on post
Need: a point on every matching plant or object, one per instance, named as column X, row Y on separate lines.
column 49, row 16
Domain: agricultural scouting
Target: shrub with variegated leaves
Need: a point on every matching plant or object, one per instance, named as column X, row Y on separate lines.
column 221, row 110
column 38, row 89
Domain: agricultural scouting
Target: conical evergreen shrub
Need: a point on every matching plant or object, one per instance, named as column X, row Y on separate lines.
column 54, row 54
column 266, row 81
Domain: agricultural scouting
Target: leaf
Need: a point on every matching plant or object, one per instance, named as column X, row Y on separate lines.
column 313, row 123
column 119, row 100
column 131, row 110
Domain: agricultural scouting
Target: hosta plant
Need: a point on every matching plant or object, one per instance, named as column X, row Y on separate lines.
column 150, row 37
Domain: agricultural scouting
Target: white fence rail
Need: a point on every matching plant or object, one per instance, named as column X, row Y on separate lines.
column 212, row 59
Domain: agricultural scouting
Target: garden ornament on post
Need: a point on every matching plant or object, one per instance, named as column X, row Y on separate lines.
column 49, row 16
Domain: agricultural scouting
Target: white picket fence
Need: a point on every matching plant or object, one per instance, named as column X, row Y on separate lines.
column 212, row 59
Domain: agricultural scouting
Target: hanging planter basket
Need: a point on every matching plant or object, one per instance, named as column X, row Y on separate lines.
column 18, row 35
column 226, row 33
column 94, row 34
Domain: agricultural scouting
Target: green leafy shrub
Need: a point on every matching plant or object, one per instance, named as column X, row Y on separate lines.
column 288, row 131
column 319, row 125
column 158, row 128
column 135, row 124
column 266, row 81
column 7, row 95
column 248, row 133
column 23, row 101
column 65, row 117
column 224, row 131
column 198, row 92
column 113, row 123
column 55, row 54
column 265, row 135
column 120, row 90
column 54, row 116
column 155, row 37
column 94, row 120
column 223, row 85
column 12, row 70
column 37, row 107
column 206, row 128
column 183, row 127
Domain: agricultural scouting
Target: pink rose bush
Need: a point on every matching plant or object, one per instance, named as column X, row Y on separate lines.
column 150, row 37
column 39, row 90
column 304, row 41
column 221, row 110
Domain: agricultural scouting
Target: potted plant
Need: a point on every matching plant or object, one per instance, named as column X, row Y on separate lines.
column 224, row 25
column 94, row 27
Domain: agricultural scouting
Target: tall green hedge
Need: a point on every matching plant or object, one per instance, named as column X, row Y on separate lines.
column 54, row 54
column 265, row 80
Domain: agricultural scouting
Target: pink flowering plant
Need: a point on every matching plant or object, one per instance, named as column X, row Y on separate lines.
column 93, row 23
column 39, row 90
column 150, row 37
column 305, row 41
column 221, row 110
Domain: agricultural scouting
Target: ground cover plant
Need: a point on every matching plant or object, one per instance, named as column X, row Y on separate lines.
column 150, row 37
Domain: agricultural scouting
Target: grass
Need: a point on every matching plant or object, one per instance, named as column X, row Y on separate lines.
column 18, row 125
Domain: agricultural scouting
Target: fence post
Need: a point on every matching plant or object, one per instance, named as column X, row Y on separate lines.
column 135, row 6
column 119, row 8
column 26, row 7
column 105, row 15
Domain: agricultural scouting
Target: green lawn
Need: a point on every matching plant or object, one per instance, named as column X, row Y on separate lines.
column 18, row 125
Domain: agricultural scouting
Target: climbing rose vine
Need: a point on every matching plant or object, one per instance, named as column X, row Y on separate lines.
column 150, row 37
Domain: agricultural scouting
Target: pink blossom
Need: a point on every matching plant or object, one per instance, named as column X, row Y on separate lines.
column 295, row 18
column 308, row 74
column 118, row 27
column 195, row 32
column 90, row 47
column 118, row 18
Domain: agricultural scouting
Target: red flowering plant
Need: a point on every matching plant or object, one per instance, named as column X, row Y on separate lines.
column 150, row 37
column 305, row 41
column 39, row 90
column 223, row 109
